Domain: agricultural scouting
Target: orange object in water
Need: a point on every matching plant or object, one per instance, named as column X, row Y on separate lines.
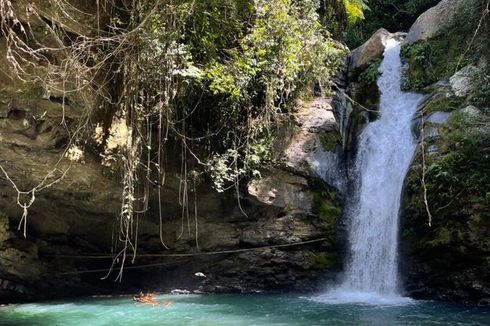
column 150, row 300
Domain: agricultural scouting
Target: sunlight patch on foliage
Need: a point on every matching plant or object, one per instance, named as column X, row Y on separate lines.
column 355, row 10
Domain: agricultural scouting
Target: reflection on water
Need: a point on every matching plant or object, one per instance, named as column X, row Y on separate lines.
column 217, row 310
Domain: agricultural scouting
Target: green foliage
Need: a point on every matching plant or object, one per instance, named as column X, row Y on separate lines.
column 481, row 94
column 219, row 74
column 467, row 144
column 225, row 169
column 371, row 73
column 457, row 178
column 323, row 260
column 355, row 10
column 329, row 140
column 463, row 166
column 195, row 85
column 366, row 92
column 284, row 50
column 216, row 26
column 418, row 55
column 433, row 60
column 333, row 17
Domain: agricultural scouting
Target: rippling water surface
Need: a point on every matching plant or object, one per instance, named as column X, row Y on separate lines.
column 238, row 310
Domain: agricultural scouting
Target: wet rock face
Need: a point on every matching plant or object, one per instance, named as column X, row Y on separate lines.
column 283, row 190
column 357, row 98
column 67, row 223
column 446, row 261
column 76, row 217
column 65, row 215
column 77, row 18
column 312, row 146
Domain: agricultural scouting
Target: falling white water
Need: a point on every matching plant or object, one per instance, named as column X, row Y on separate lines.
column 385, row 150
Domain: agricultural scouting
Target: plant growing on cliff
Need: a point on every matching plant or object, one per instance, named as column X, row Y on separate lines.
column 371, row 73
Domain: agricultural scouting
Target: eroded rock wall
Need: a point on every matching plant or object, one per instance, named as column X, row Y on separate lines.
column 75, row 218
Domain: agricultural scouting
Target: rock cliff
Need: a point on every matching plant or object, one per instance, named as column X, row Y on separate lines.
column 277, row 232
column 444, row 234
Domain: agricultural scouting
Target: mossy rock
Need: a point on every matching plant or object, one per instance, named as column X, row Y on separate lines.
column 327, row 206
column 365, row 90
column 34, row 91
column 442, row 237
column 328, row 212
column 433, row 60
column 329, row 140
column 481, row 94
column 323, row 260
column 440, row 57
column 371, row 73
column 4, row 227
column 452, row 250
column 443, row 103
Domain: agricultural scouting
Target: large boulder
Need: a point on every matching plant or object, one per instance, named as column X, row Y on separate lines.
column 370, row 50
column 432, row 22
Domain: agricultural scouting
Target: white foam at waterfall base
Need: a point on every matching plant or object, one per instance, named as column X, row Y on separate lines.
column 385, row 150
column 348, row 296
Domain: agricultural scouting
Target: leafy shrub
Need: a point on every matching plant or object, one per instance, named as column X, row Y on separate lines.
column 371, row 73
column 481, row 95
column 284, row 50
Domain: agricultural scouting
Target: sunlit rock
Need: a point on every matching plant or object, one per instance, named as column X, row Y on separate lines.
column 371, row 49
column 462, row 82
column 432, row 22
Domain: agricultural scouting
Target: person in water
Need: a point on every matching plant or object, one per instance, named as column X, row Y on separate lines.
column 150, row 300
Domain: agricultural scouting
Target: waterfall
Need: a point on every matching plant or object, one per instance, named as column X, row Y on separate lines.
column 386, row 147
